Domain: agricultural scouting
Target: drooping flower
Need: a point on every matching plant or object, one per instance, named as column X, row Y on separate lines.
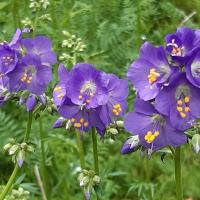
column 150, row 72
column 180, row 102
column 182, row 44
column 30, row 75
column 154, row 129
column 76, row 106
column 40, row 46
column 116, row 104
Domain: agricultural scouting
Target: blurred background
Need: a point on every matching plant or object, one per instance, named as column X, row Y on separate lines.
column 107, row 34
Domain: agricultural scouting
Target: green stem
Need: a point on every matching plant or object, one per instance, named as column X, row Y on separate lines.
column 80, row 149
column 95, row 152
column 16, row 169
column 179, row 192
column 43, row 164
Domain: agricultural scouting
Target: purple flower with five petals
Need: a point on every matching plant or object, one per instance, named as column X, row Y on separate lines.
column 179, row 102
column 154, row 129
column 150, row 72
column 117, row 94
column 182, row 44
column 30, row 75
column 40, row 46
column 81, row 116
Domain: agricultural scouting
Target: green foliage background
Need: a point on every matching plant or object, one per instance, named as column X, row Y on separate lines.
column 113, row 31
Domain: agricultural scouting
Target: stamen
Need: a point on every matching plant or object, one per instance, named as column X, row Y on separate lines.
column 58, row 88
column 82, row 120
column 179, row 102
column 73, row 120
column 180, row 109
column 187, row 99
column 86, row 124
column 117, row 109
column 182, row 114
column 61, row 95
column 80, row 97
column 153, row 75
column 187, row 109
column 77, row 125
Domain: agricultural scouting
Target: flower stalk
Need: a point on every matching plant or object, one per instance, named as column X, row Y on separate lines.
column 80, row 149
column 95, row 151
column 177, row 159
column 16, row 169
column 43, row 165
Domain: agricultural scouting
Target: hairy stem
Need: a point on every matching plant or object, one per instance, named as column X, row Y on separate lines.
column 177, row 159
column 16, row 169
column 95, row 152
column 43, row 165
column 80, row 149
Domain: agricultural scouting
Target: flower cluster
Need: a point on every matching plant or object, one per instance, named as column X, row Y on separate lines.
column 89, row 98
column 167, row 80
column 25, row 68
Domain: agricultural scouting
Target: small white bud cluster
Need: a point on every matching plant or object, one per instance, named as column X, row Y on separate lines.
column 73, row 46
column 17, row 151
column 27, row 23
column 88, row 180
column 19, row 194
column 36, row 5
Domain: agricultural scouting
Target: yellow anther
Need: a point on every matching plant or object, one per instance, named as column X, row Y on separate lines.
column 86, row 124
column 80, row 97
column 28, row 81
column 119, row 109
column 91, row 94
column 58, row 88
column 180, row 102
column 30, row 78
column 156, row 133
column 180, row 109
column 117, row 114
column 73, row 120
column 114, row 110
column 187, row 109
column 117, row 106
column 87, row 101
column 82, row 120
column 187, row 99
column 77, row 125
column 182, row 114
column 153, row 75
column 61, row 95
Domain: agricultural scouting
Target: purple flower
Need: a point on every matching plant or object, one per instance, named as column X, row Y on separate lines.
column 154, row 129
column 80, row 114
column 182, row 44
column 150, row 72
column 8, row 61
column 40, row 46
column 86, row 86
column 193, row 69
column 116, row 104
column 30, row 75
column 180, row 102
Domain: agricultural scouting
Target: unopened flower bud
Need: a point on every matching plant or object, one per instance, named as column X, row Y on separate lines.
column 13, row 149
column 120, row 124
column 196, row 143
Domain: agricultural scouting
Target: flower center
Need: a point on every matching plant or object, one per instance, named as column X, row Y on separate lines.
column 183, row 96
column 153, row 76
column 182, row 106
column 89, row 88
column 150, row 136
column 80, row 123
column 195, row 69
column 7, row 60
column 117, row 109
